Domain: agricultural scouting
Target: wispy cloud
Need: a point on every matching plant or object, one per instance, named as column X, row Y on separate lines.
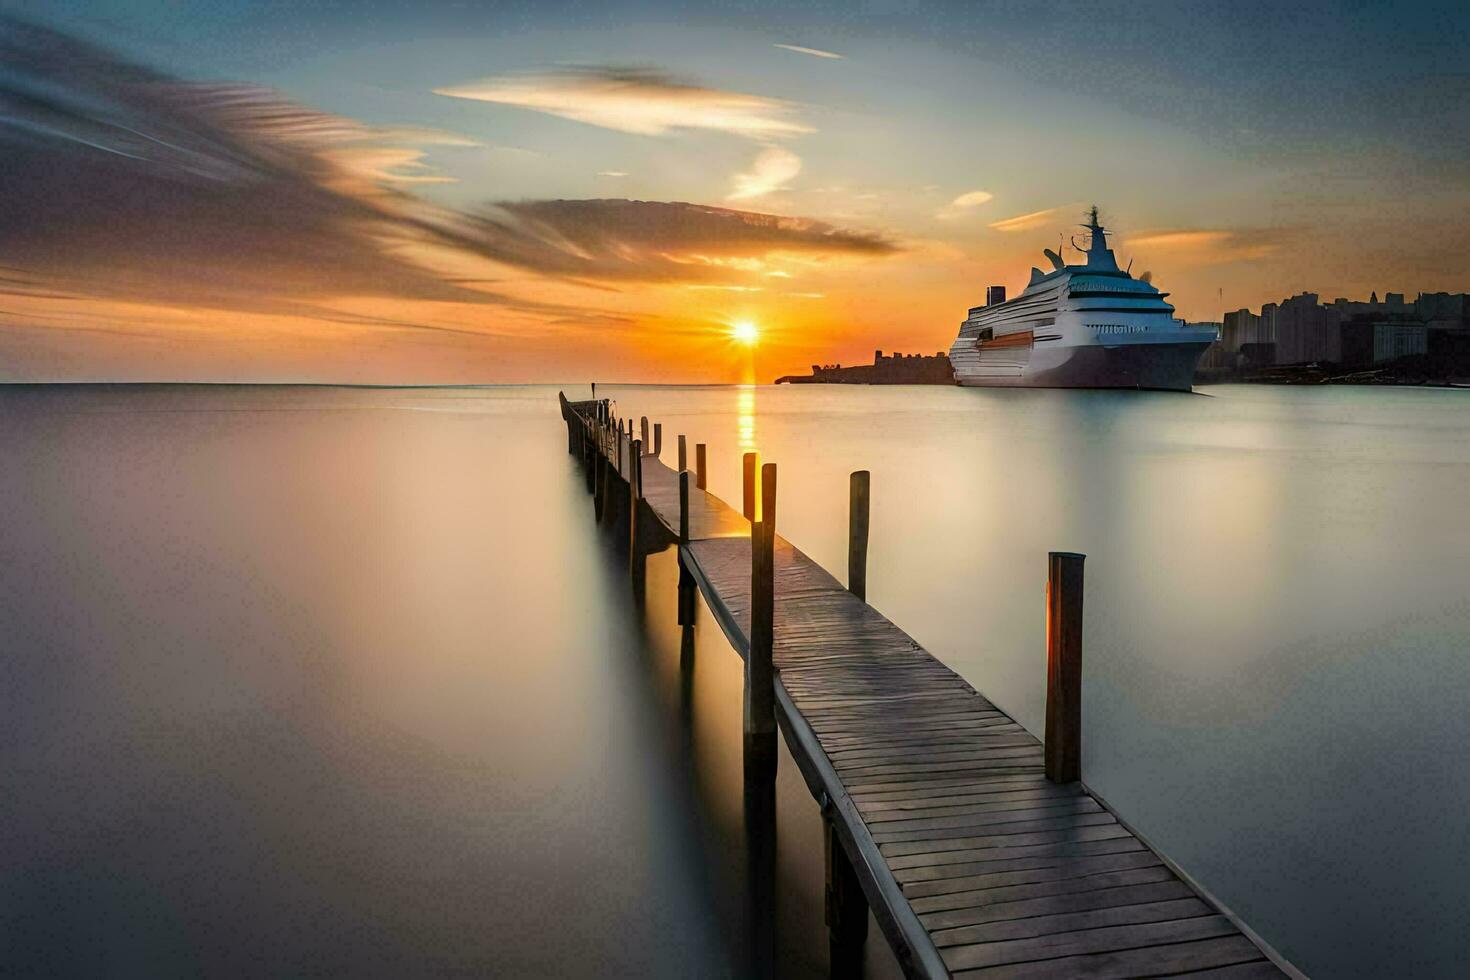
column 636, row 100
column 1025, row 222
column 1210, row 245
column 965, row 202
column 814, row 52
column 771, row 170
column 612, row 173
column 617, row 239
column 123, row 183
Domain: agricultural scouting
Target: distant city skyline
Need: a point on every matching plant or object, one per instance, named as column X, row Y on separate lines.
column 363, row 192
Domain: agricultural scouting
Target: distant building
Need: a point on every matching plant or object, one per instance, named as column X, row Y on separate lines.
column 1302, row 330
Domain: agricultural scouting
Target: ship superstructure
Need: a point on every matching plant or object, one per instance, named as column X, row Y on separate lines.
column 1079, row 326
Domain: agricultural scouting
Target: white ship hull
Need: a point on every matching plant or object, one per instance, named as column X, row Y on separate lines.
column 1163, row 366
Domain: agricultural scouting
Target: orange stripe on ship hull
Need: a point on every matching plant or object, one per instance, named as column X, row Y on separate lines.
column 1022, row 339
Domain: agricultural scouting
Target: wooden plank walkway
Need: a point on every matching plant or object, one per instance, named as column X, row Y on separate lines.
column 973, row 863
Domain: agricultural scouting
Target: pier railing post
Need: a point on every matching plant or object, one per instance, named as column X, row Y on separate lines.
column 857, row 534
column 699, row 477
column 846, row 909
column 643, row 431
column 658, row 438
column 760, row 689
column 635, row 453
column 748, row 485
column 686, row 581
column 683, row 454
column 1063, row 744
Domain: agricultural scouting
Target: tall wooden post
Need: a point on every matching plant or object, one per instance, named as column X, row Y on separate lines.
column 683, row 454
column 699, row 473
column 643, row 430
column 846, row 908
column 749, row 487
column 1063, row 744
column 857, row 534
column 686, row 580
column 658, row 438
column 635, row 453
column 760, row 690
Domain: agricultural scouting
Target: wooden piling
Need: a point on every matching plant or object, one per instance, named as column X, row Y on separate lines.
column 846, row 909
column 760, row 694
column 699, row 473
column 857, row 534
column 749, row 486
column 643, row 430
column 1062, row 747
column 683, row 454
column 686, row 580
column 658, row 439
column 635, row 456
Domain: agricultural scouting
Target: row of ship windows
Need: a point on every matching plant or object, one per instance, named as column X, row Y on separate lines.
column 1116, row 328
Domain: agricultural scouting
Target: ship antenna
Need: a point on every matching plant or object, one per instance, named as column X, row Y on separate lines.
column 1129, row 270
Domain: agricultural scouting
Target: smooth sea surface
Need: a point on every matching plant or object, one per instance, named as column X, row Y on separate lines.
column 301, row 680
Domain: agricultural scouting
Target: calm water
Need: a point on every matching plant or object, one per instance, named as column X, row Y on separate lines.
column 333, row 680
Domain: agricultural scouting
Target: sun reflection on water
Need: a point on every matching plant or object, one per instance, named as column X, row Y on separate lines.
column 745, row 417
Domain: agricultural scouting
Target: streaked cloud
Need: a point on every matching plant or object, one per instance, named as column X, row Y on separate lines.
column 1025, row 222
column 636, row 100
column 965, row 202
column 612, row 173
column 814, row 52
column 1200, row 246
column 619, row 239
column 771, row 170
column 126, row 184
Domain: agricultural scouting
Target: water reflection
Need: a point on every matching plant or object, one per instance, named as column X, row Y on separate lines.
column 745, row 419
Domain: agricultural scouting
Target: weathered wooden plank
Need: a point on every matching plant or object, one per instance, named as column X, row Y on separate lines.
column 958, row 908
column 1046, row 925
column 1147, row 962
column 1041, row 869
column 1102, row 940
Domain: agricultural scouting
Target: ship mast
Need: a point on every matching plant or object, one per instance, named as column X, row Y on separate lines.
column 1099, row 256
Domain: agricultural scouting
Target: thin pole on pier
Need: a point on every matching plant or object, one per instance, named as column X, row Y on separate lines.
column 684, row 507
column 634, row 464
column 846, row 908
column 760, row 690
column 699, row 477
column 857, row 534
column 1062, row 748
column 658, row 438
column 686, row 580
column 643, row 430
column 683, row 454
column 749, row 486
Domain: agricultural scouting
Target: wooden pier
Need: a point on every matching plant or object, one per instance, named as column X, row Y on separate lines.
column 979, row 851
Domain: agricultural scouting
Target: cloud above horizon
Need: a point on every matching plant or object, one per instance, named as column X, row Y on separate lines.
column 772, row 169
column 636, row 100
column 1024, row 222
column 814, row 52
column 965, row 202
column 1206, row 246
column 124, row 183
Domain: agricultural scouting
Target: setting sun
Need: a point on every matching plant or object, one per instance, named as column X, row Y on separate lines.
column 745, row 332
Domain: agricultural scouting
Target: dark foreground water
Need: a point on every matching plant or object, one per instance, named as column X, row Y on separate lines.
column 344, row 681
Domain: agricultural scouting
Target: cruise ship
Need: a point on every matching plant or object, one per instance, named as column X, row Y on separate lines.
column 1079, row 326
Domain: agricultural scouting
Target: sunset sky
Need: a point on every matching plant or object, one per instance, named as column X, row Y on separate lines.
column 505, row 192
